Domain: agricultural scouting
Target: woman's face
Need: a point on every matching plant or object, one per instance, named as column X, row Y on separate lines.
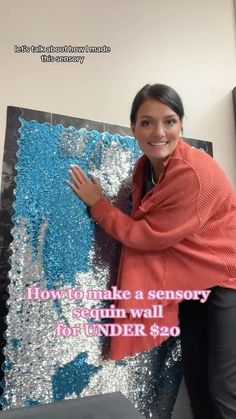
column 157, row 130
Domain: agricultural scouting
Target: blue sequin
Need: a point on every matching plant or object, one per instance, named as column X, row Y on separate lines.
column 73, row 377
column 31, row 402
column 15, row 343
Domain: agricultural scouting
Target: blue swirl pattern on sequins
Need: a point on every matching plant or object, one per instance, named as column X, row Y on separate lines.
column 61, row 236
column 43, row 197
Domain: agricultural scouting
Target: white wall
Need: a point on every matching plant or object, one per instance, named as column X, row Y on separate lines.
column 185, row 43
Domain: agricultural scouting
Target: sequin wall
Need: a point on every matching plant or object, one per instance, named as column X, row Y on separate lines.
column 56, row 245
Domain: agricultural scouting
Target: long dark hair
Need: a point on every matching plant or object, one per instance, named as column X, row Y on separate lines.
column 161, row 92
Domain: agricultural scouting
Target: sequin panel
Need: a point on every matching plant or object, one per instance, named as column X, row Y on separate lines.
column 56, row 245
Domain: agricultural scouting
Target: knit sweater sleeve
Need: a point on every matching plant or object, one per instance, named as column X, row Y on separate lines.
column 172, row 217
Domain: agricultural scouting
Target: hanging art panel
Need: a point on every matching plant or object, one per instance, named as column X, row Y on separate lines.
column 49, row 245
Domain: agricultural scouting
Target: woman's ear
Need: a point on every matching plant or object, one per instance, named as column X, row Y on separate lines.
column 182, row 127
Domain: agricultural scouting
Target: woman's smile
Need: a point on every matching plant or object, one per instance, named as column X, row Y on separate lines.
column 157, row 129
column 158, row 144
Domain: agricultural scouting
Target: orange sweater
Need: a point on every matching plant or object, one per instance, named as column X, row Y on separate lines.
column 180, row 236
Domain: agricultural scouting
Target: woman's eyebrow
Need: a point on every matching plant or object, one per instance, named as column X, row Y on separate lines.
column 152, row 117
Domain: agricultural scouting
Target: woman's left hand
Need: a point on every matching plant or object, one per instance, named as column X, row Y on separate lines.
column 89, row 191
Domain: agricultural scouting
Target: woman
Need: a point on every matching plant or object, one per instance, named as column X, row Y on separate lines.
column 181, row 235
